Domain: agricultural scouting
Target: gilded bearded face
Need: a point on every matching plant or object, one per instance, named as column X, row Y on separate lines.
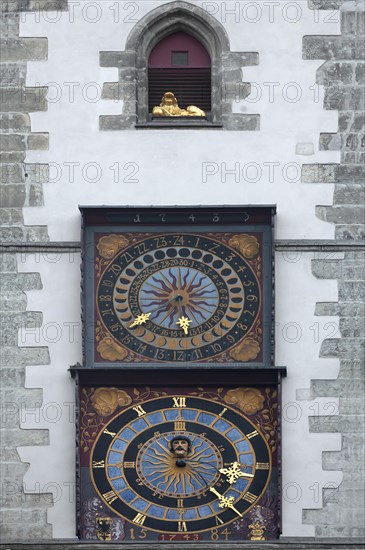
column 180, row 447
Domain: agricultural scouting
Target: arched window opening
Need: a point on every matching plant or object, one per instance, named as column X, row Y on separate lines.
column 179, row 63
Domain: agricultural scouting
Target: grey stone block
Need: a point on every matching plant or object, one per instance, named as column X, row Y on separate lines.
column 8, row 263
column 12, row 142
column 358, row 123
column 12, row 173
column 25, row 356
column 16, row 98
column 352, row 328
column 345, row 119
column 36, row 195
column 24, row 49
column 348, row 193
column 351, row 174
column 11, row 216
column 334, row 72
column 12, row 195
column 37, row 141
column 352, row 23
column 238, row 121
column 344, row 97
column 15, row 122
column 351, row 369
column 36, row 173
column 13, row 74
column 13, row 156
column 21, row 281
column 355, row 406
column 332, row 47
column 319, row 173
column 350, row 232
column 12, row 301
column 338, row 269
column 341, row 214
column 25, row 234
column 351, row 291
column 9, row 25
column 117, row 122
column 344, row 348
column 345, row 310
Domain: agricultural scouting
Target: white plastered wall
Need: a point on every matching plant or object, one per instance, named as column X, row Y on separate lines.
column 183, row 167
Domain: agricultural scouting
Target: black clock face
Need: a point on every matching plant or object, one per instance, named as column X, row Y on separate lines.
column 222, row 473
column 177, row 298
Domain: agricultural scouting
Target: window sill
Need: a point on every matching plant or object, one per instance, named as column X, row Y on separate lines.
column 178, row 122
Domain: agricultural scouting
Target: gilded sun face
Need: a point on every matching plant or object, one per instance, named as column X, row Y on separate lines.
column 158, row 467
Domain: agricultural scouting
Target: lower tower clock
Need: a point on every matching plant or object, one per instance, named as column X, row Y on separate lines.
column 188, row 463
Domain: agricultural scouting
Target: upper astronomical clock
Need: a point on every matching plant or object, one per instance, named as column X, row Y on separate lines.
column 171, row 286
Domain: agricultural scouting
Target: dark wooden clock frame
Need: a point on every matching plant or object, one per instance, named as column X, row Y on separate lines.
column 93, row 373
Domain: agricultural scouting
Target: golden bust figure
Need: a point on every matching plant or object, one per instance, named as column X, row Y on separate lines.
column 170, row 107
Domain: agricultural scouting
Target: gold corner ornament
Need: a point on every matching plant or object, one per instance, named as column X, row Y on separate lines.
column 184, row 323
column 169, row 107
column 225, row 502
column 233, row 473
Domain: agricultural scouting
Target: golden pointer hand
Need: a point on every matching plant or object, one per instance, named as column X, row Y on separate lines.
column 233, row 472
column 225, row 502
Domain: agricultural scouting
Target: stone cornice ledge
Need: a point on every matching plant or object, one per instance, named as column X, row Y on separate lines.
column 304, row 245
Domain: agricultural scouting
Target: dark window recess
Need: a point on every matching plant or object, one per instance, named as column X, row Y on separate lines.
column 179, row 58
column 190, row 86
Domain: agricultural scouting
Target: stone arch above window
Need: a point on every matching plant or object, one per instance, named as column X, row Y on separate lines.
column 226, row 70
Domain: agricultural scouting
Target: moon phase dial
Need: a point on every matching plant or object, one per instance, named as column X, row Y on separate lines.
column 177, row 298
column 137, row 474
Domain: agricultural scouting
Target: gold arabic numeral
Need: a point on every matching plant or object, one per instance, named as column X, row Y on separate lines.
column 179, row 240
column 129, row 464
column 160, row 354
column 142, row 249
column 180, row 503
column 197, row 354
column 110, row 497
column 139, row 410
column 98, row 464
column 179, row 426
column 179, row 401
column 214, row 534
column 223, row 411
column 139, row 519
column 230, row 338
column 160, row 242
column 115, row 327
column 230, row 258
column 252, row 313
column 262, row 465
column 126, row 257
column 252, row 434
column 178, row 356
column 221, row 448
column 142, row 534
column 105, row 298
column 141, row 348
column 252, row 298
column 226, row 533
column 181, row 526
column 115, row 268
column 107, row 432
column 249, row 497
column 217, row 348
column 218, row 521
column 139, row 481
column 241, row 326
column 248, row 283
column 107, row 312
column 107, row 283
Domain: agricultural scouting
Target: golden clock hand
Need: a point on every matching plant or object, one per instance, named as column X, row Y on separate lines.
column 234, row 472
column 225, row 502
column 184, row 323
